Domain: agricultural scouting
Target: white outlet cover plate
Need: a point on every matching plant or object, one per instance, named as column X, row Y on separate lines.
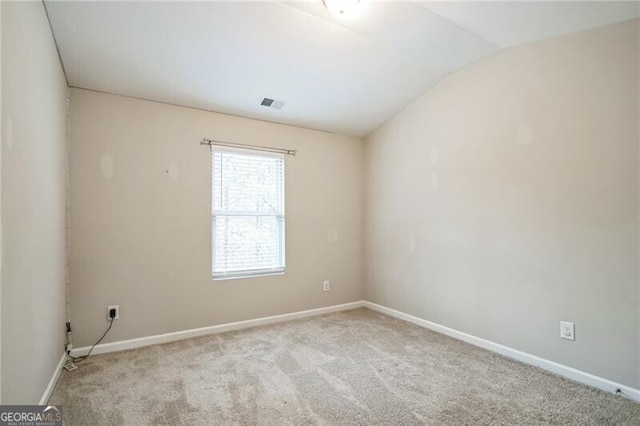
column 567, row 330
column 117, row 308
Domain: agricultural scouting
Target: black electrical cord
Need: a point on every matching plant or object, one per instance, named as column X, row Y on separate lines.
column 82, row 358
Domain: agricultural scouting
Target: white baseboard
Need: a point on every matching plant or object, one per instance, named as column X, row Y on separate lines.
column 554, row 367
column 53, row 381
column 215, row 329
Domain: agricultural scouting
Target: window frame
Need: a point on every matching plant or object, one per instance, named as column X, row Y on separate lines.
column 280, row 219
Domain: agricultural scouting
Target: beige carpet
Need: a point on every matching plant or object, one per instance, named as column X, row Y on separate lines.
column 355, row 367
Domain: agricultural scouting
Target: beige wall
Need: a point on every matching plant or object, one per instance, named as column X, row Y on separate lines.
column 638, row 193
column 1, row 143
column 505, row 199
column 140, row 237
column 33, row 203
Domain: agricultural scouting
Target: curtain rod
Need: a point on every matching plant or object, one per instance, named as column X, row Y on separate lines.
column 210, row 142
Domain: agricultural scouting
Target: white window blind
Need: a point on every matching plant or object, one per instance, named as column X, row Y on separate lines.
column 247, row 213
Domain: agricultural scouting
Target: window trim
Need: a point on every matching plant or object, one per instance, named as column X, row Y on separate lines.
column 249, row 273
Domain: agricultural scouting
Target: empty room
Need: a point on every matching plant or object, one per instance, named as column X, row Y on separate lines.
column 338, row 212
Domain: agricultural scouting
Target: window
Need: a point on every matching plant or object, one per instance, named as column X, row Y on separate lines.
column 247, row 213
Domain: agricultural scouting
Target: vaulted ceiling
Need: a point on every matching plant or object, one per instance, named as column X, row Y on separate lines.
column 345, row 75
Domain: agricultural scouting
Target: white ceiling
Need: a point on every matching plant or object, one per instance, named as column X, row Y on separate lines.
column 340, row 75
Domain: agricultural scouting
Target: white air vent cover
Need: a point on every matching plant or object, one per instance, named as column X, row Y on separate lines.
column 271, row 103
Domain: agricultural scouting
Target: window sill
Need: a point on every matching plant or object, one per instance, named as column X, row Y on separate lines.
column 245, row 276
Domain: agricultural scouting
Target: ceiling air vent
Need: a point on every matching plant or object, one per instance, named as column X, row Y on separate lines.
column 271, row 103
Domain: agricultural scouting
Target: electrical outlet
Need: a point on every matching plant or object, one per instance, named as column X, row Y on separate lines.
column 70, row 366
column 567, row 330
column 326, row 286
column 117, row 311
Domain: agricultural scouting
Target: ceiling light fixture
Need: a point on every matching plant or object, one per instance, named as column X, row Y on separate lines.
column 342, row 8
